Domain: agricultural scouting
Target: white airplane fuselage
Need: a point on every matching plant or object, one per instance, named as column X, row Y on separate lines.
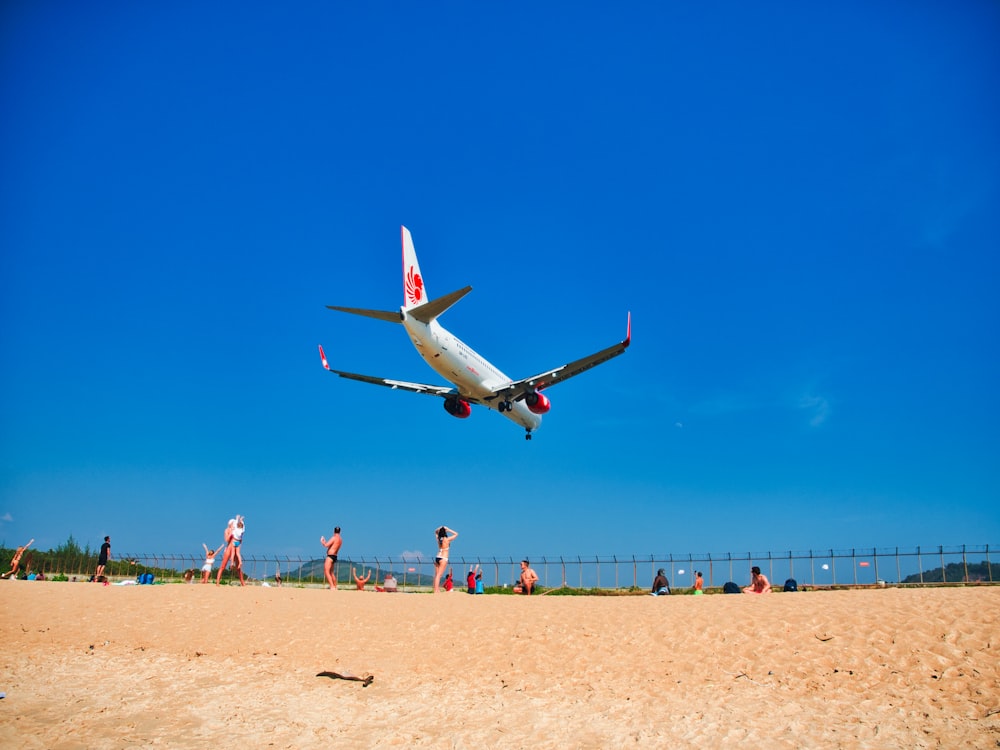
column 465, row 368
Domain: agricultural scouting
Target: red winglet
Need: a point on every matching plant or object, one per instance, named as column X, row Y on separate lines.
column 322, row 356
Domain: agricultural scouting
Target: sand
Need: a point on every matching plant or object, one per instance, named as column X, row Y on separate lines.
column 91, row 666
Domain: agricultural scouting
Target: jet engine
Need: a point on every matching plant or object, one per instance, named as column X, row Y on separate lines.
column 537, row 402
column 457, row 407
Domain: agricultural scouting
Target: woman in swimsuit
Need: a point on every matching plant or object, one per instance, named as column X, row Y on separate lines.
column 445, row 537
column 206, row 569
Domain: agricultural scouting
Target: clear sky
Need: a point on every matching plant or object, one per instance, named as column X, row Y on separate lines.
column 798, row 203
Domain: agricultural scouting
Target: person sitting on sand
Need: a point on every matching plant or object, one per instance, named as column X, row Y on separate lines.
column 206, row 568
column 15, row 561
column 389, row 584
column 479, row 581
column 661, row 586
column 528, row 578
column 470, row 580
column 758, row 582
column 360, row 581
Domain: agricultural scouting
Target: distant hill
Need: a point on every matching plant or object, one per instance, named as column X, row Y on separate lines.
column 314, row 570
column 955, row 573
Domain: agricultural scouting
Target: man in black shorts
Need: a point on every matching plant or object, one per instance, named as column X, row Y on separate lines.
column 103, row 558
column 332, row 548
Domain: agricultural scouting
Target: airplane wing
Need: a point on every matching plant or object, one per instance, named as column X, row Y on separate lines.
column 516, row 390
column 433, row 390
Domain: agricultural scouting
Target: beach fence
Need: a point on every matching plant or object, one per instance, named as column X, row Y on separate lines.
column 817, row 568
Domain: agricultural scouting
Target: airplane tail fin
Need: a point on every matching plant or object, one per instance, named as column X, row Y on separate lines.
column 414, row 291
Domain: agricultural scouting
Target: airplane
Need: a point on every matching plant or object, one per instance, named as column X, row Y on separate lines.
column 473, row 379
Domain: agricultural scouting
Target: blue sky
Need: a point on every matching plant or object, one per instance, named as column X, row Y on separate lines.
column 797, row 203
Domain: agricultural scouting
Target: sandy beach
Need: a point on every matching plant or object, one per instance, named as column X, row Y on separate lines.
column 91, row 666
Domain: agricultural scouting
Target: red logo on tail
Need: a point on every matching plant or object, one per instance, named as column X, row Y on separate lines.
column 414, row 287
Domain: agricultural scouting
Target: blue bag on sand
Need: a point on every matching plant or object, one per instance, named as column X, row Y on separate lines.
column 791, row 585
column 731, row 588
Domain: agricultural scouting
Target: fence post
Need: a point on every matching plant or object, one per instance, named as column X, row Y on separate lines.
column 833, row 568
column 944, row 575
column 875, row 560
column 899, row 573
column 635, row 573
column 965, row 564
column 989, row 565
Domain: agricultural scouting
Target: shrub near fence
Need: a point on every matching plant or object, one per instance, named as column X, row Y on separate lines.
column 853, row 567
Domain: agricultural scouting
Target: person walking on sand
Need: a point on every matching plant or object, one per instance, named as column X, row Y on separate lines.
column 758, row 582
column 103, row 557
column 445, row 537
column 699, row 583
column 206, row 568
column 360, row 582
column 15, row 561
column 332, row 548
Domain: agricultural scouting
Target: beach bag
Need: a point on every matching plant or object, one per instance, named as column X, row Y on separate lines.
column 731, row 588
column 791, row 585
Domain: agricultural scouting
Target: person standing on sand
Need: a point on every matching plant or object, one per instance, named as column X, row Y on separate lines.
column 332, row 548
column 206, row 568
column 445, row 537
column 103, row 557
column 699, row 583
column 758, row 582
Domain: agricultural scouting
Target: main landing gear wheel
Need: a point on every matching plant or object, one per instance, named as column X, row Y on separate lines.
column 527, row 435
column 504, row 406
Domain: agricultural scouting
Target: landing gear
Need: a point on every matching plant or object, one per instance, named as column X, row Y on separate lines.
column 504, row 406
column 527, row 435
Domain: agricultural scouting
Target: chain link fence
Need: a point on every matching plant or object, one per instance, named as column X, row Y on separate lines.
column 815, row 568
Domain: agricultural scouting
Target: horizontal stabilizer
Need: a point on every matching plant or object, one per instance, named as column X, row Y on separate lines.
column 393, row 316
column 426, row 312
